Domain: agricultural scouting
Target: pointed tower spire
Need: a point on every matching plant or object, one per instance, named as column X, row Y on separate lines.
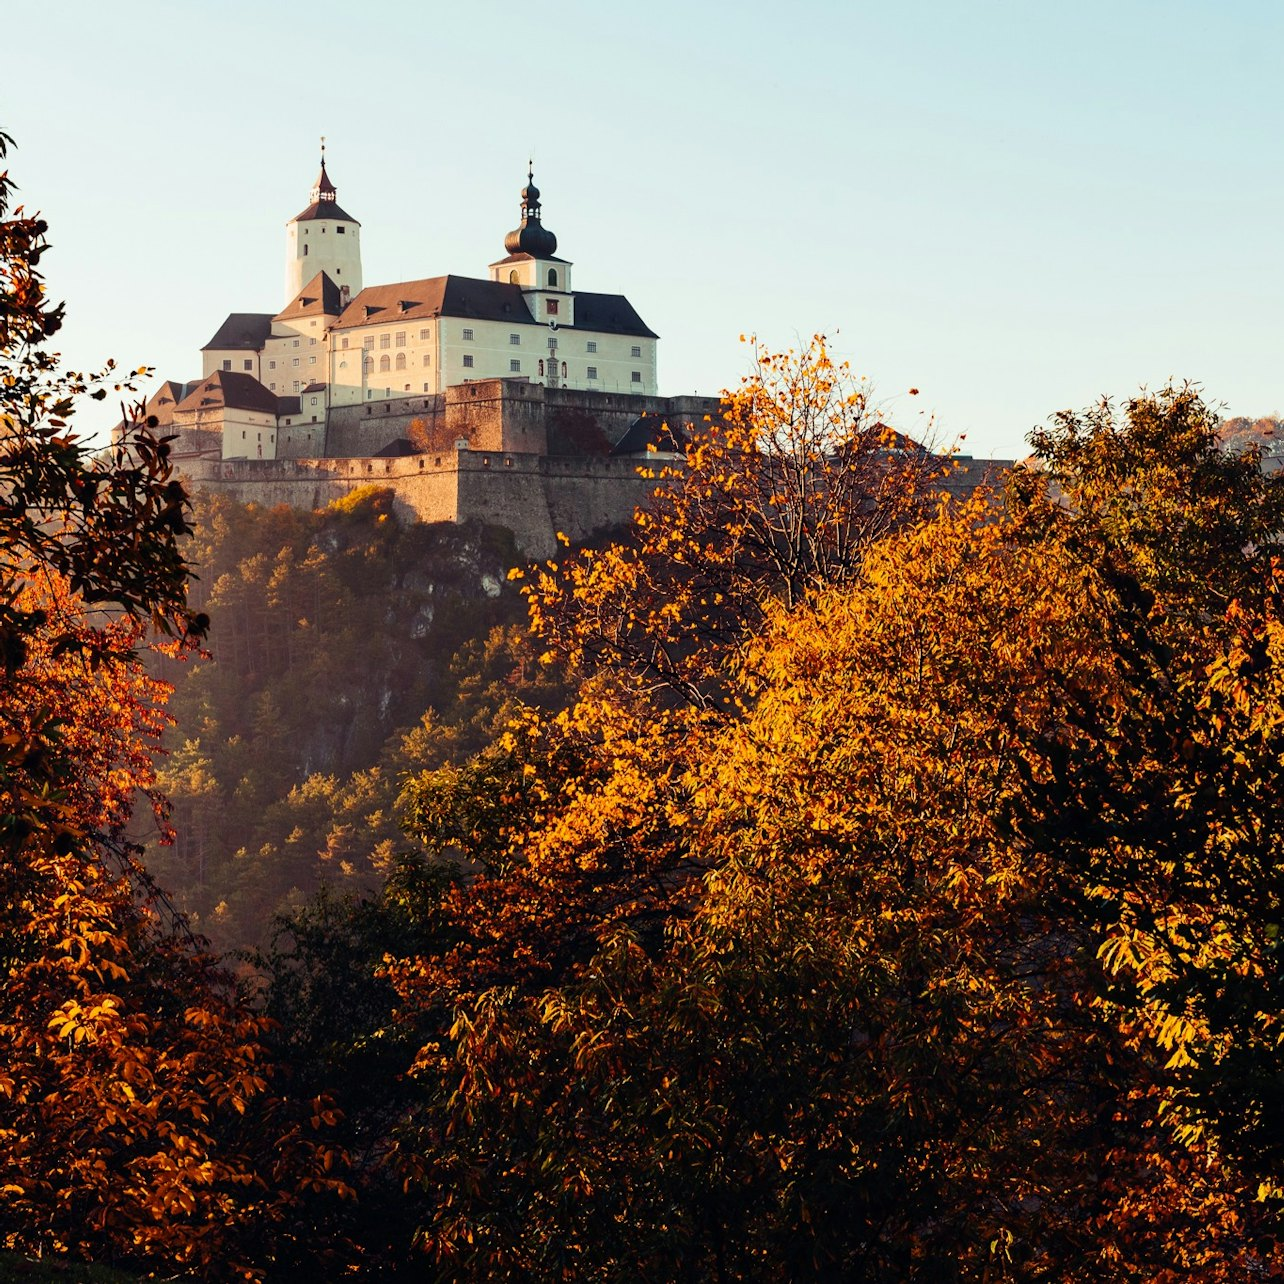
column 323, row 238
column 323, row 189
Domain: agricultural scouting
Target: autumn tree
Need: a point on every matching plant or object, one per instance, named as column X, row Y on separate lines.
column 779, row 495
column 573, row 823
column 137, row 1116
column 1160, row 794
column 950, row 915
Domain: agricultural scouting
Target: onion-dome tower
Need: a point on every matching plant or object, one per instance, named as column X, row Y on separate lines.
column 323, row 238
column 532, row 237
column 532, row 263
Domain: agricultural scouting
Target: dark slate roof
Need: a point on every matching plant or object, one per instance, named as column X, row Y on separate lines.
column 395, row 449
column 288, row 406
column 609, row 314
column 320, row 297
column 437, row 296
column 464, row 296
column 315, row 387
column 324, row 209
column 162, row 403
column 232, row 389
column 242, row 330
column 650, row 432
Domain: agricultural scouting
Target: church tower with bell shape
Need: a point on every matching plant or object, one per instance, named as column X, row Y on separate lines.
column 322, row 239
column 532, row 264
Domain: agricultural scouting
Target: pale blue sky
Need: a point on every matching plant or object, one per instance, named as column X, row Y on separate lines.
column 1014, row 207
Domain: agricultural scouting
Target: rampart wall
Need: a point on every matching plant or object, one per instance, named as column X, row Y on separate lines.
column 534, row 496
column 513, row 415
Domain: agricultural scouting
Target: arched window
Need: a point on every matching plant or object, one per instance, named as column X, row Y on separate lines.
column 401, row 361
column 541, row 367
column 305, row 249
column 512, row 276
column 563, row 369
column 552, row 276
column 383, row 363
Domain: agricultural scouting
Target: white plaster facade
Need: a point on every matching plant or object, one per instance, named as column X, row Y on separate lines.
column 337, row 344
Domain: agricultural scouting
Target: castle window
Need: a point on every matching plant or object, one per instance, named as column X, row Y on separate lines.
column 635, row 350
column 592, row 372
column 294, row 361
column 552, row 278
column 563, row 369
column 427, row 359
column 401, row 338
column 550, row 307
column 367, row 342
column 295, row 344
column 514, row 339
column 552, row 344
column 312, row 341
column 340, row 230
column 296, row 385
column 249, row 365
column 514, row 365
column 541, row 367
column 401, row 361
column 312, row 361
column 468, row 361
column 271, row 365
column 512, row 276
column 423, row 334
column 314, row 401
column 384, row 364
column 306, row 247
column 425, row 387
column 592, row 345
column 271, row 387
column 636, row 377
column 227, row 365
column 242, row 434
column 343, row 343
column 468, row 335
column 385, row 340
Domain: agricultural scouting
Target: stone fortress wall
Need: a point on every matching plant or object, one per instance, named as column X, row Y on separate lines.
column 508, row 452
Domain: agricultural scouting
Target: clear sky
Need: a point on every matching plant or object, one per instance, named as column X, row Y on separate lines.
column 1015, row 206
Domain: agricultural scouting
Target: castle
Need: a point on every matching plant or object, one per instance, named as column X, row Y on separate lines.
column 513, row 399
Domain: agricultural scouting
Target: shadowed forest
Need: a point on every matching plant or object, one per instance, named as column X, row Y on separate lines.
column 825, row 880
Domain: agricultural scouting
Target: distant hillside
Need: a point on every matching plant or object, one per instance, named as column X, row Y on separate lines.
column 1241, row 432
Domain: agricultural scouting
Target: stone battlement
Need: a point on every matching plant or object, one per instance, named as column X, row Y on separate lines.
column 534, row 496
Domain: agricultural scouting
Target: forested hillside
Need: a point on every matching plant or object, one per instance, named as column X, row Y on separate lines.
column 345, row 650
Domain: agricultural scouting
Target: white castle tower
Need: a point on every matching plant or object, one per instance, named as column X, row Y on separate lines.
column 322, row 239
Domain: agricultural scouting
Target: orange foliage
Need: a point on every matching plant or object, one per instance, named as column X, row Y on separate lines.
column 135, row 1104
